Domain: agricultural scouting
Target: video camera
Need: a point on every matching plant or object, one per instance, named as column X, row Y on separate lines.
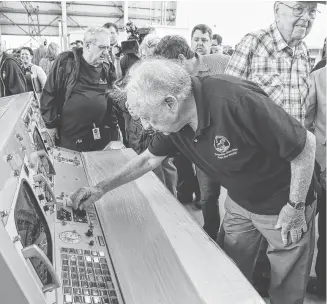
column 136, row 36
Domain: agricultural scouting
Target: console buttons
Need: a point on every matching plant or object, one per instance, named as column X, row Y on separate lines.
column 87, row 299
column 101, row 242
column 96, row 300
column 68, row 298
column 67, row 290
column 88, row 259
column 95, row 292
column 77, row 291
column 66, row 282
column 95, row 253
column 86, row 291
column 96, row 260
column 101, row 253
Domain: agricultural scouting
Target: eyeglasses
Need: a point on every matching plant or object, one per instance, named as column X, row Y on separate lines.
column 299, row 11
column 102, row 47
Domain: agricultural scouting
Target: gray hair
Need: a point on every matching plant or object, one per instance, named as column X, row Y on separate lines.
column 90, row 35
column 148, row 45
column 152, row 80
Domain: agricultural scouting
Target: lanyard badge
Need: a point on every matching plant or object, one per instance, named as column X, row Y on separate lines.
column 96, row 132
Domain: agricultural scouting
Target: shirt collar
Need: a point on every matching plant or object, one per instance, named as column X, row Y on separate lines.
column 281, row 44
column 201, row 106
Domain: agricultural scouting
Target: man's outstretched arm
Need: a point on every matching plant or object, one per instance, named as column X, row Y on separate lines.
column 134, row 169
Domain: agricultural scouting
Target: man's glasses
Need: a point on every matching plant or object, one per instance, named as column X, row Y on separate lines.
column 299, row 11
column 102, row 47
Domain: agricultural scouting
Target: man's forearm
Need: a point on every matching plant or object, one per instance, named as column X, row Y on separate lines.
column 134, row 169
column 302, row 170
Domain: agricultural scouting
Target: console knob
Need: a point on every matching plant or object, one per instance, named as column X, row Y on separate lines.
column 89, row 233
column 91, row 243
column 41, row 197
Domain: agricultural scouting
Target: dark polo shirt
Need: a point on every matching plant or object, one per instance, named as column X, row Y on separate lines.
column 243, row 139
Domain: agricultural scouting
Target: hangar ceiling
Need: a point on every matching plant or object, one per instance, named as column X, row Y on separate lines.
column 41, row 18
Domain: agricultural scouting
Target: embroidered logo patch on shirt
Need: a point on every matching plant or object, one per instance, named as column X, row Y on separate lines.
column 103, row 81
column 222, row 146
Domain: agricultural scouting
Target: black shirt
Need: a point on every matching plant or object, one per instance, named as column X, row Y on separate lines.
column 127, row 61
column 244, row 140
column 86, row 106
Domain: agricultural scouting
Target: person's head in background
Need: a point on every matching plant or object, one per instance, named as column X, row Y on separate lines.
column 79, row 43
column 176, row 48
column 295, row 19
column 96, row 45
column 216, row 46
column 72, row 45
column 113, row 30
column 201, row 39
column 148, row 46
column 26, row 55
column 52, row 51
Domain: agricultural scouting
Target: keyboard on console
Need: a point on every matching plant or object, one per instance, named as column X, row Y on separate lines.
column 86, row 277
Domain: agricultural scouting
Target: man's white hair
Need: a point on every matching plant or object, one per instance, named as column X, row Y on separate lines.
column 152, row 80
column 90, row 35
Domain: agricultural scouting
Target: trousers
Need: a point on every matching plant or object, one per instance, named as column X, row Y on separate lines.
column 290, row 265
column 209, row 195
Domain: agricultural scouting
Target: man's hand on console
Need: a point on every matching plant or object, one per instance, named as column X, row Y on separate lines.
column 86, row 196
column 291, row 220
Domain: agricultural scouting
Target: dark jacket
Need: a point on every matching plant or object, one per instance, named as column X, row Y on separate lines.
column 60, row 83
column 12, row 79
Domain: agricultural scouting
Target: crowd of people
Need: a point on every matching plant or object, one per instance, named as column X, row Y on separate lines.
column 251, row 120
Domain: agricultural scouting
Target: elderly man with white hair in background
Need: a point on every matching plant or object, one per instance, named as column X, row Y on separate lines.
column 74, row 107
column 277, row 59
column 231, row 130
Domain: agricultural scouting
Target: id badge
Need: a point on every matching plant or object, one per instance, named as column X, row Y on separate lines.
column 96, row 133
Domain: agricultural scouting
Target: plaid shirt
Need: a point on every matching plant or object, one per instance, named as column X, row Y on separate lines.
column 265, row 58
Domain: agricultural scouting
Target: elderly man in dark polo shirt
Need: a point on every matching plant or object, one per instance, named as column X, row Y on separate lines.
column 176, row 48
column 230, row 129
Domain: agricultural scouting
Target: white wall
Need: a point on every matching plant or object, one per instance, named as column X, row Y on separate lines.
column 234, row 19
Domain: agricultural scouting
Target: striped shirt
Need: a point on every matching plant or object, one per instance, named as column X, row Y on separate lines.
column 282, row 72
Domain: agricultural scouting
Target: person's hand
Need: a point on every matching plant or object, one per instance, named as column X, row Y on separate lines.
column 115, row 52
column 53, row 134
column 292, row 221
column 85, row 197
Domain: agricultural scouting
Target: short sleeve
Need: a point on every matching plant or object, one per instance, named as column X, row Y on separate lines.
column 162, row 145
column 279, row 133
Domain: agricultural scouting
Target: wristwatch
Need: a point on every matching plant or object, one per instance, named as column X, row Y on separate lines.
column 297, row 206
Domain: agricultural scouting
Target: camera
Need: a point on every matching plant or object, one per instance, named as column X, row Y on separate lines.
column 129, row 46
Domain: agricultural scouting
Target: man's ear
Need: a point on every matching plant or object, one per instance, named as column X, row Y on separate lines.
column 181, row 58
column 171, row 103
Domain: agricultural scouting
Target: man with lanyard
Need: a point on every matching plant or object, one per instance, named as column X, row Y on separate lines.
column 232, row 131
column 73, row 103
